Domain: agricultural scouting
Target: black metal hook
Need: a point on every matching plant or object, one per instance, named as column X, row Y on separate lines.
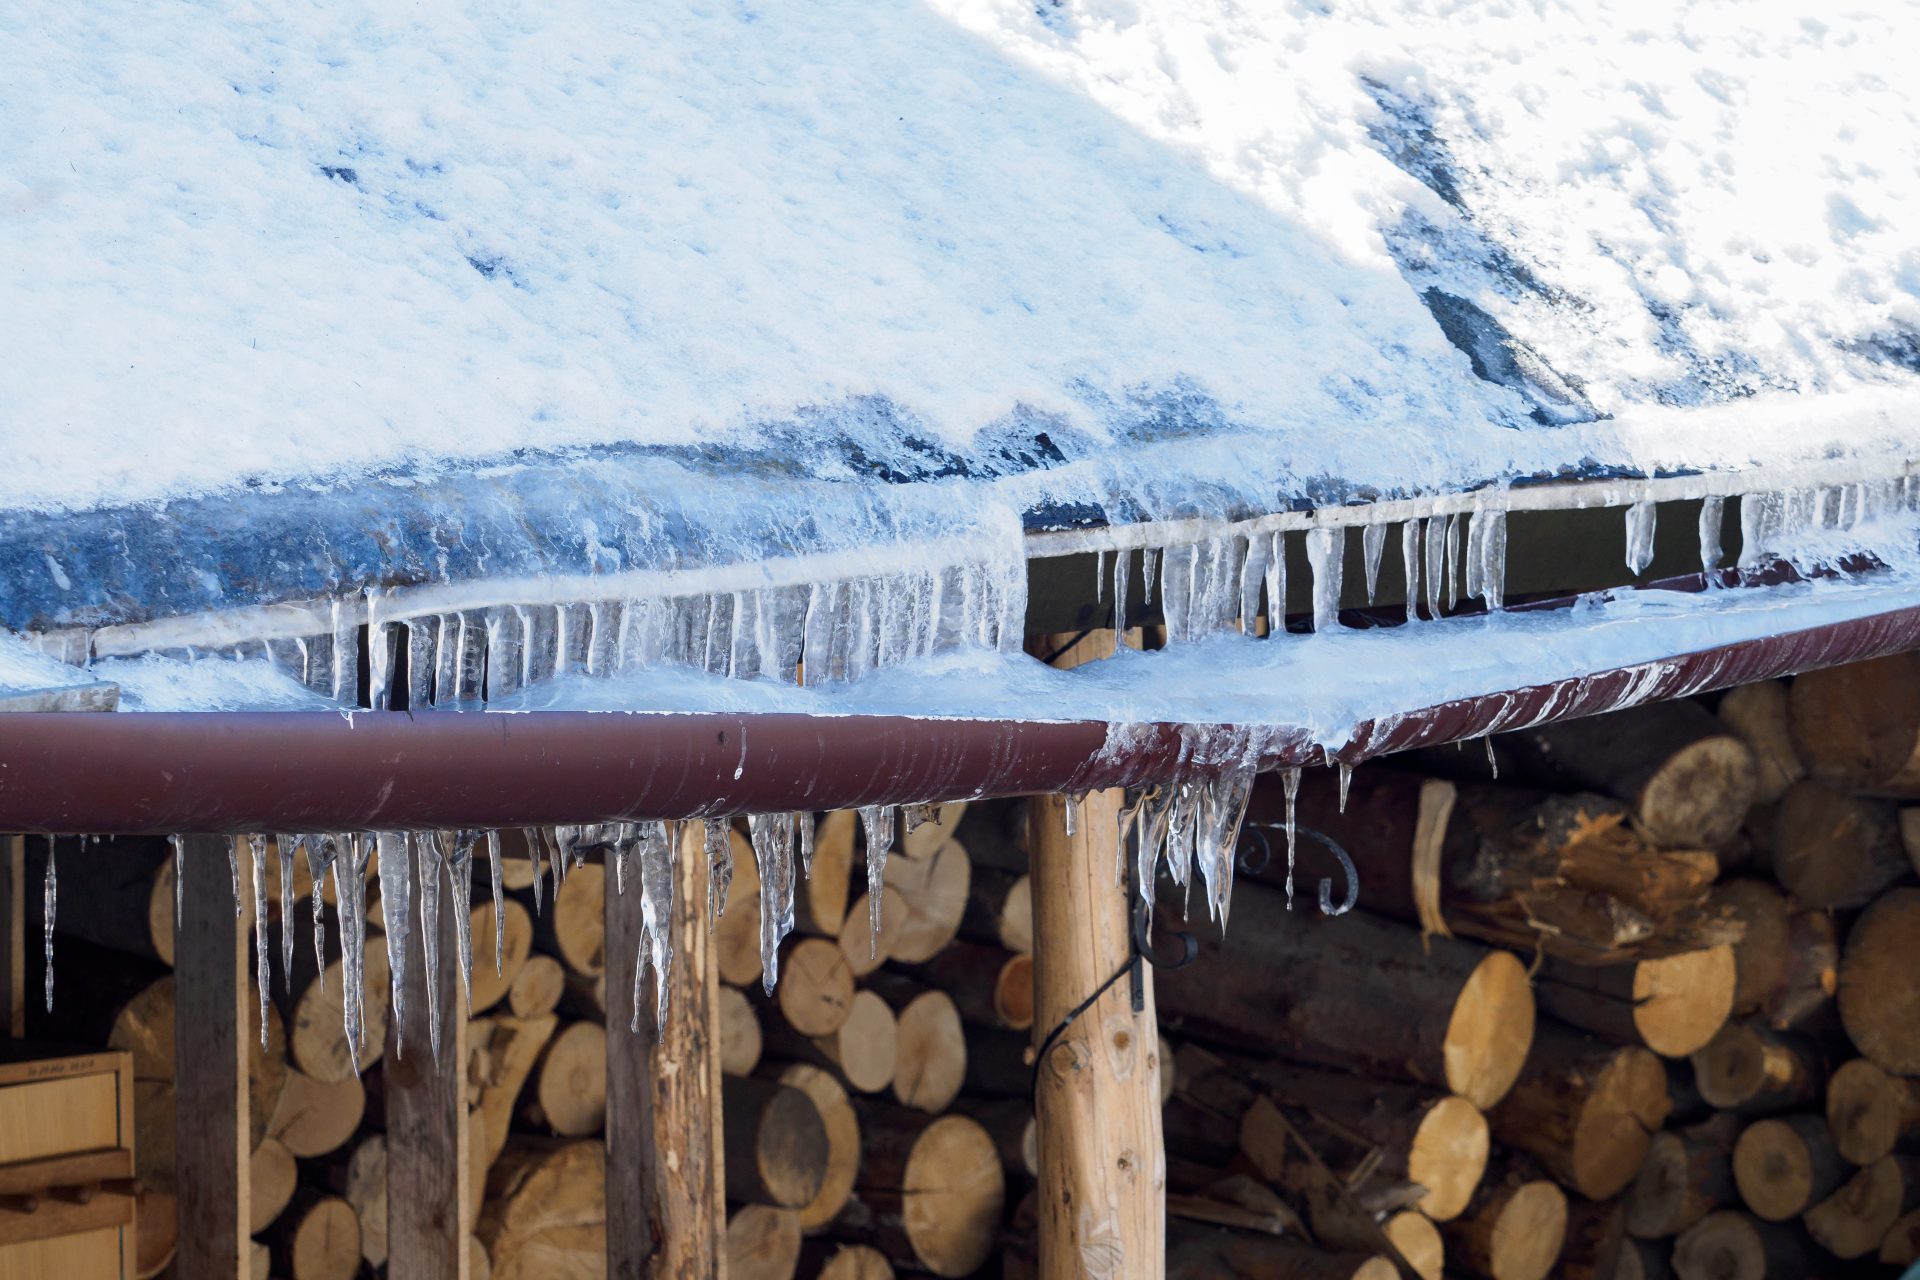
column 1258, row 830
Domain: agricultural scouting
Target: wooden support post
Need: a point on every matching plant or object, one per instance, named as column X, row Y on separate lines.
column 210, row 1069
column 13, row 936
column 428, row 1201
column 666, row 1184
column 1102, row 1164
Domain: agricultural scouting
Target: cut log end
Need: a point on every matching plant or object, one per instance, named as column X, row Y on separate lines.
column 815, row 994
column 1517, row 1235
column 1490, row 1030
column 931, row 1053
column 1782, row 1166
column 955, row 1191
column 842, row 1129
column 1698, row 797
column 1853, row 1221
column 763, row 1243
column 1869, row 1111
column 1879, row 984
column 1681, row 1002
column 1628, row 1105
column 1448, row 1155
column 1419, row 1242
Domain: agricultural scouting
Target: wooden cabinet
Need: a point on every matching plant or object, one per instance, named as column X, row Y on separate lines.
column 66, row 1165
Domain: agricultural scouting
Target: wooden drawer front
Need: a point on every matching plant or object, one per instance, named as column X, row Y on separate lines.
column 53, row 1117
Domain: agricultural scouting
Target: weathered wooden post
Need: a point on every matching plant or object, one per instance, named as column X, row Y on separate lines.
column 210, row 1068
column 1102, row 1164
column 666, row 1186
column 428, row 1200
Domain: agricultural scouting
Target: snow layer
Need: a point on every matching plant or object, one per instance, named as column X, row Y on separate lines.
column 24, row 669
column 1251, row 244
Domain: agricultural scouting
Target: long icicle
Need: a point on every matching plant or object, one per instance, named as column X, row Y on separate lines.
column 878, row 823
column 50, row 901
column 426, row 880
column 499, row 918
column 262, row 966
column 284, row 846
column 396, row 903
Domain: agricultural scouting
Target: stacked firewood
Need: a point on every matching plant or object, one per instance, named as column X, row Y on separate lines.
column 1629, row 996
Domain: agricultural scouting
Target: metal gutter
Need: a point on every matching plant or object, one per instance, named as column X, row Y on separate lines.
column 321, row 771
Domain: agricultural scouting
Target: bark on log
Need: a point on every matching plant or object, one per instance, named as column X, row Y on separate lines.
column 1645, row 1260
column 999, row 909
column 990, row 986
column 316, row 1238
column 1754, row 1070
column 570, row 1082
column 1687, row 1174
column 931, row 1189
column 546, row 1211
column 740, row 1040
column 934, row 889
column 1760, row 955
column 1813, row 971
column 1585, row 1109
column 1596, row 1235
column 862, row 1051
column 1687, row 779
column 1358, row 991
column 930, row 1062
column 1199, row 1252
column 537, row 988
column 1854, row 1220
column 1870, row 1112
column 776, row 1143
column 1729, row 1245
column 842, row 1129
column 1672, row 1005
column 1879, row 983
column 1757, row 714
column 1512, row 1228
column 1857, row 727
column 1831, row 849
column 763, row 1243
column 1783, row 1165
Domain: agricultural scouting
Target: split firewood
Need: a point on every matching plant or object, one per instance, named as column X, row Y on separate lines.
column 763, row 1243
column 272, row 1176
column 1688, row 780
column 1783, row 1165
column 990, row 986
column 820, row 899
column 930, row 1045
column 1010, row 1123
column 1687, row 1174
column 934, row 888
column 740, row 1039
column 312, row 1118
column 736, row 934
column 930, row 1189
column 503, row 1052
column 1197, row 1251
column 537, row 988
column 492, row 982
column 573, row 927
column 1870, row 1112
column 999, row 909
column 863, row 1051
column 1672, row 1005
column 569, row 1097
column 1512, row 1228
column 1356, row 991
column 317, row 1237
column 1729, row 1245
column 864, row 950
column 316, row 1027
column 1753, row 1069
column 815, row 992
column 1757, row 714
column 362, row 1179
column 1831, row 849
column 776, row 1143
column 831, row 1260
column 546, row 1211
column 1854, row 1220
column 1879, row 984
column 1857, row 726
column 842, row 1130
column 1585, row 1109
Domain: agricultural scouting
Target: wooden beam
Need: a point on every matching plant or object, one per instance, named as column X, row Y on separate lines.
column 1097, row 1096
column 666, row 1184
column 13, row 936
column 210, row 1069
column 429, row 1208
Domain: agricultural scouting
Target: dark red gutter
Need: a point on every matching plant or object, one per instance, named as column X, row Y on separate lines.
column 123, row 773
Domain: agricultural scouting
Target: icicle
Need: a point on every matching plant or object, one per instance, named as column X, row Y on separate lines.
column 499, row 919
column 426, row 883
column 1100, row 575
column 877, row 821
column 49, row 902
column 803, row 826
column 1433, row 539
column 772, row 836
column 1149, row 832
column 1346, row 780
column 719, row 849
column 1223, row 808
column 1492, row 764
column 321, row 853
column 622, row 849
column 1640, row 523
column 1122, row 564
column 1373, row 541
column 1410, row 565
column 233, row 869
column 396, row 903
column 536, row 856
column 658, row 848
column 1148, row 557
column 1326, row 553
column 1493, row 558
column 1277, row 584
column 1290, row 780
column 284, row 845
column 1476, row 539
column 179, row 876
column 1070, row 813
column 262, row 966
column 1453, row 560
column 1712, row 512
column 915, row 816
column 350, row 891
column 456, row 850
column 1180, row 824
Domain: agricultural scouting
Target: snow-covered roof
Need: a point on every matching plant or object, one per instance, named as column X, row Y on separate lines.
column 292, row 283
